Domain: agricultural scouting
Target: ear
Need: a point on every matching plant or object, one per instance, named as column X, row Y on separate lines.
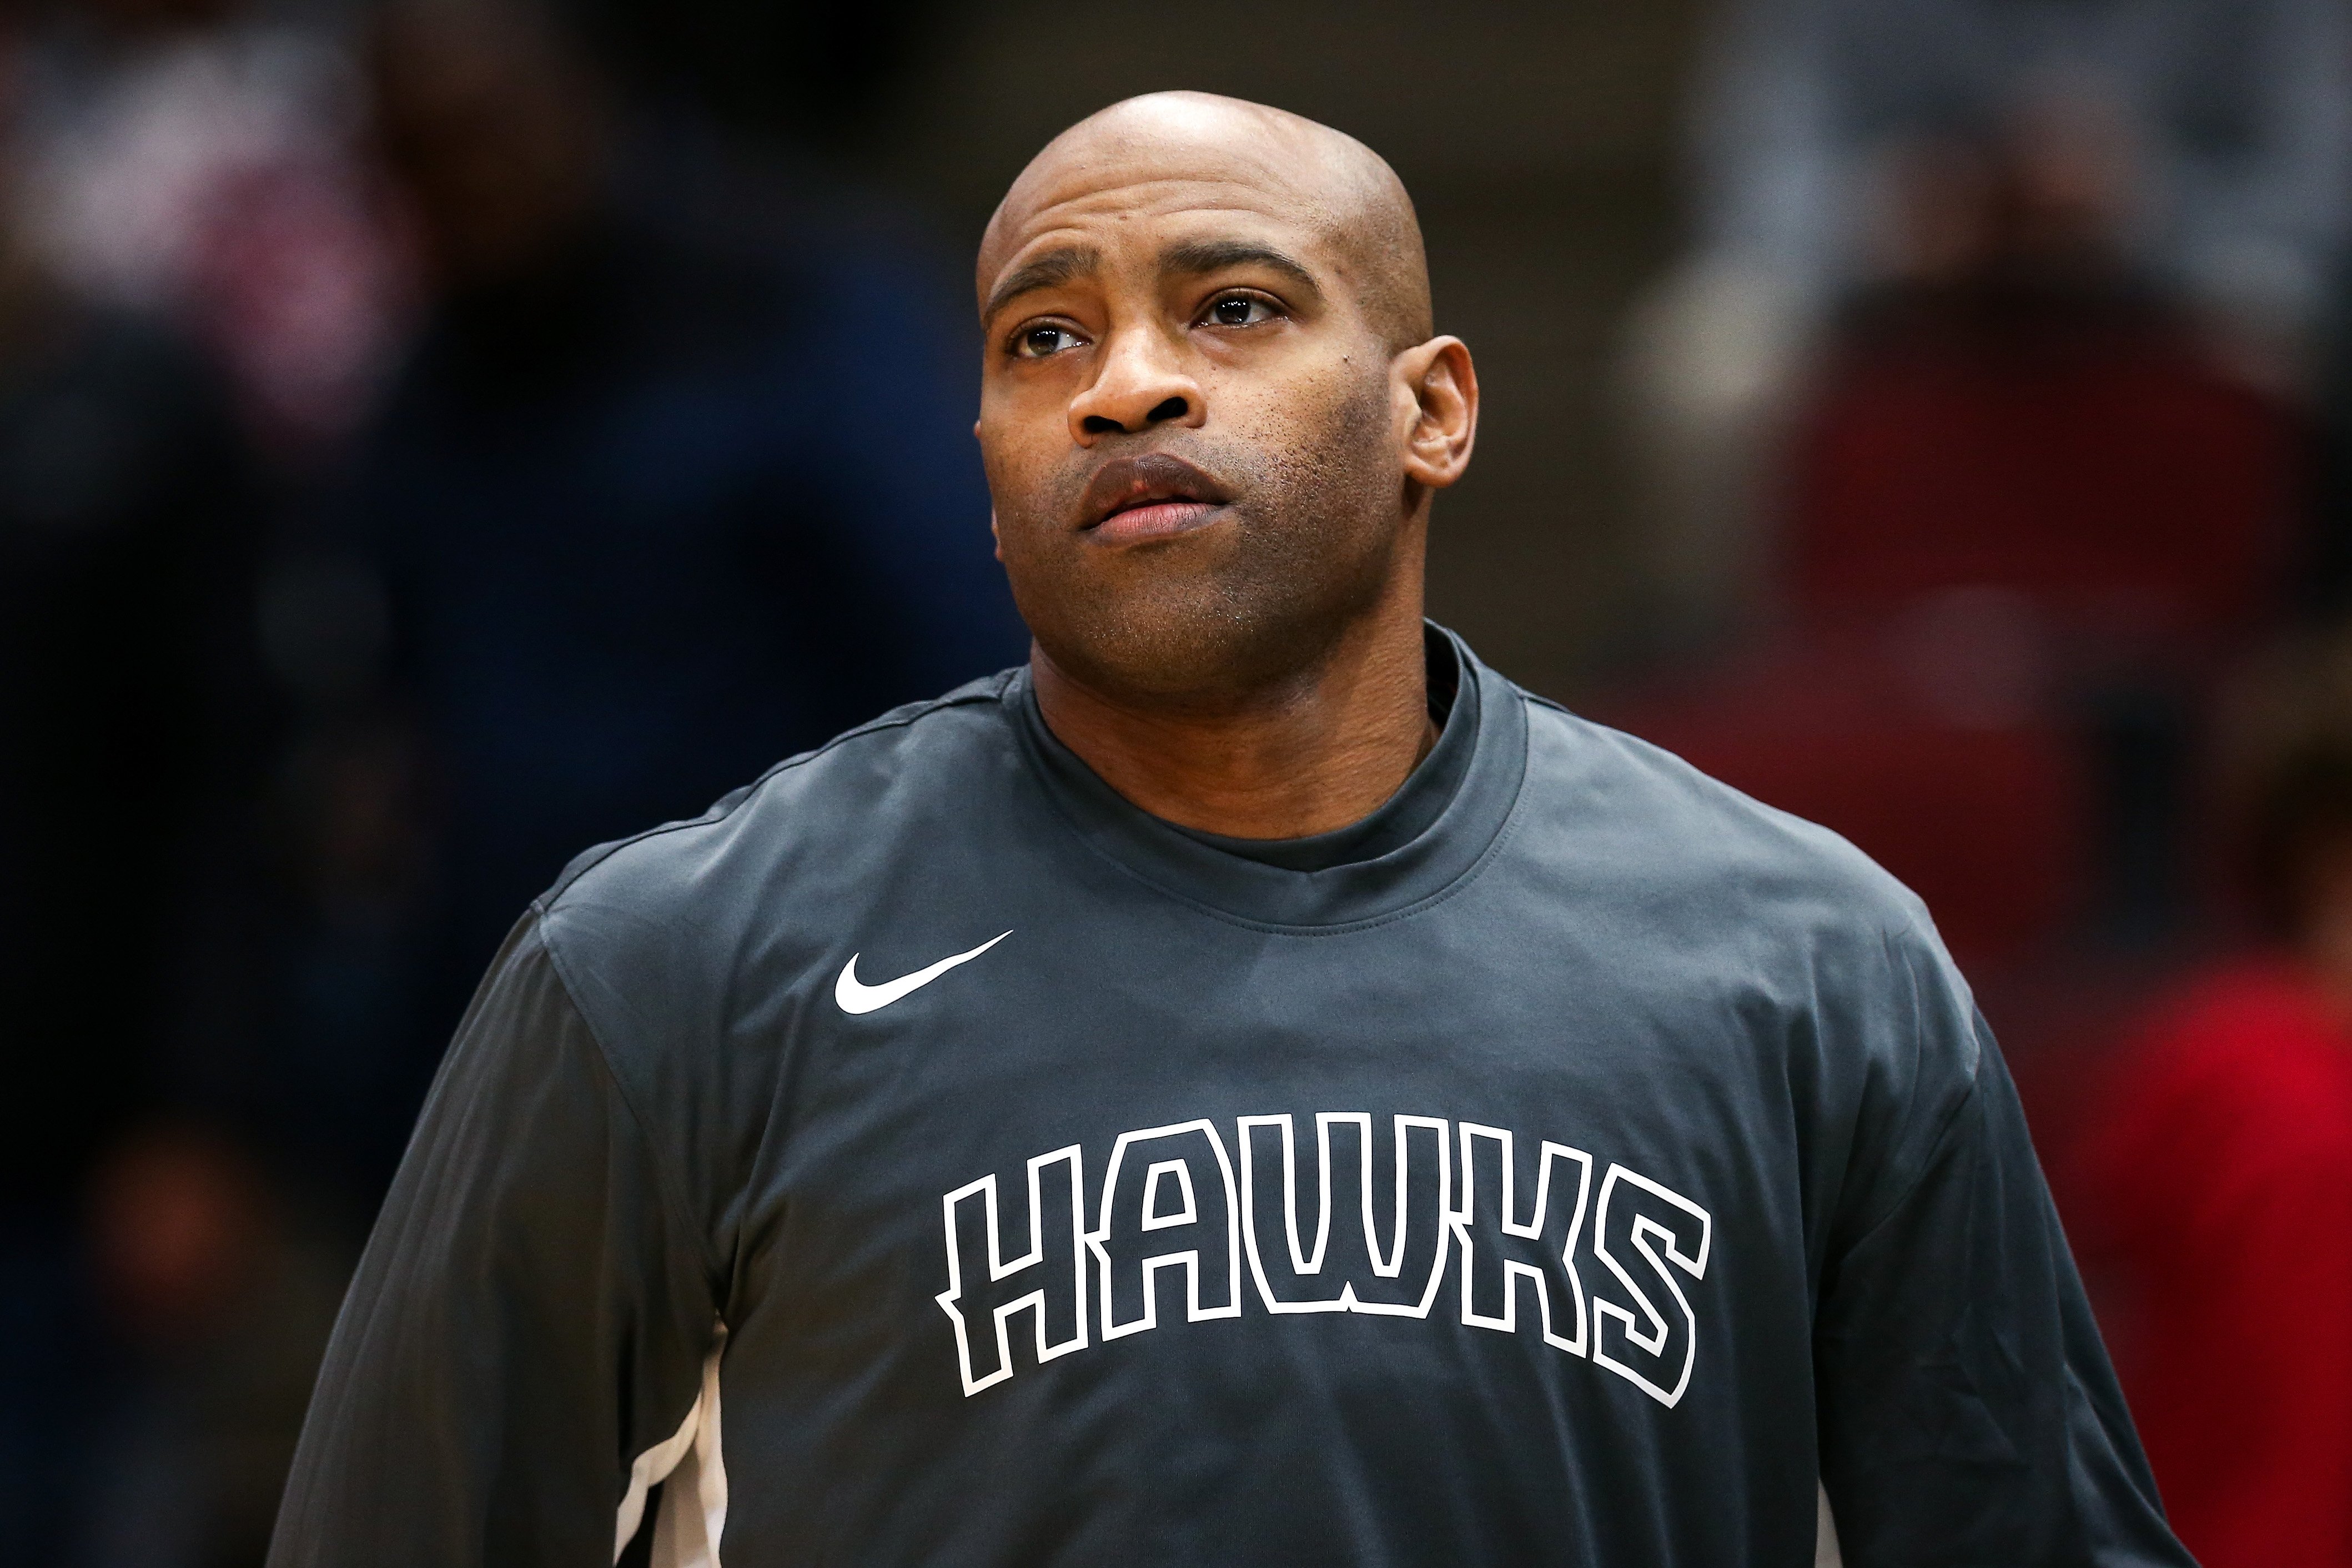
column 1437, row 389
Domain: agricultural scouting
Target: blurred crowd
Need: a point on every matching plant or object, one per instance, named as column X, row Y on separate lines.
column 435, row 437
column 426, row 451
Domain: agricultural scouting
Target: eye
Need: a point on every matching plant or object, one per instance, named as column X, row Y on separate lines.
column 1238, row 311
column 1044, row 339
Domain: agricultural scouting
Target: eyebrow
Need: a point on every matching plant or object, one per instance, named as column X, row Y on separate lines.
column 1049, row 271
column 1190, row 257
column 1196, row 255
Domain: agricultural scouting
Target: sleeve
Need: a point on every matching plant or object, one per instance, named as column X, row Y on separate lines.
column 523, row 1350
column 1968, row 1412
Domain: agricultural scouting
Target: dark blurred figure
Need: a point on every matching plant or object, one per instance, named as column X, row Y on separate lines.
column 128, row 745
column 214, row 1310
column 193, row 165
column 126, row 548
column 636, row 550
column 120, row 542
column 809, row 74
column 2217, row 1193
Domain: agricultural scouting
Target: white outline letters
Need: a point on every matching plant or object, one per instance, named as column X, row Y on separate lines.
column 1036, row 1302
column 1178, row 1204
column 1198, row 1270
column 1533, row 1228
column 1654, row 1342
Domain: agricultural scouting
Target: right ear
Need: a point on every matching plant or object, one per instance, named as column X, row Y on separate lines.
column 1437, row 382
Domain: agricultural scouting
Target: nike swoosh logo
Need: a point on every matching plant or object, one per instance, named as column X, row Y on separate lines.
column 856, row 997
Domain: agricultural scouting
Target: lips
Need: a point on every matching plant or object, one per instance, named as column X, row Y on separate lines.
column 1152, row 495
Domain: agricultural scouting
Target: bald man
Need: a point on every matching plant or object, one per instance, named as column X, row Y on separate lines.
column 1251, row 1087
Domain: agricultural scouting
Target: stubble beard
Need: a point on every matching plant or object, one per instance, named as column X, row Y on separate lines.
column 1254, row 605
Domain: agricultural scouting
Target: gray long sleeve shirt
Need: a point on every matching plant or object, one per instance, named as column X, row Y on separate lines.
column 928, row 1157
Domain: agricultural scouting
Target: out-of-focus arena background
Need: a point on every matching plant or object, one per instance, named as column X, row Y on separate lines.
column 440, row 435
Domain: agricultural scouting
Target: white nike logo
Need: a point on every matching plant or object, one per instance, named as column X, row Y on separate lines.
column 856, row 997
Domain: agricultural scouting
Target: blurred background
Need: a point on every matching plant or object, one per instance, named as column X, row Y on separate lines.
column 440, row 435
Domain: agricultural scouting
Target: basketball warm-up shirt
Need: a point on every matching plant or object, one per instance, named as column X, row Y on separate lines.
column 927, row 1157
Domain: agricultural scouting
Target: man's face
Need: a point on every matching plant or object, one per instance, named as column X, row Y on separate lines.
column 1191, row 432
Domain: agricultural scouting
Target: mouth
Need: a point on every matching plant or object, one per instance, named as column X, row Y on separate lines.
column 1155, row 495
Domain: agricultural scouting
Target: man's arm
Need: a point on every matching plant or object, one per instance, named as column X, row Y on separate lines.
column 530, row 1319
column 1968, row 1411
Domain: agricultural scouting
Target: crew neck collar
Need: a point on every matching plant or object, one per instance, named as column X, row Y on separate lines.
column 1426, row 837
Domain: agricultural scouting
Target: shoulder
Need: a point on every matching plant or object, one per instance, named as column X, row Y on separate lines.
column 688, row 950
column 1667, row 835
column 680, row 908
column 1718, row 907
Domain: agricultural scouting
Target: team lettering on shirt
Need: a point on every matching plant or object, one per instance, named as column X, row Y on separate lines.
column 1297, row 1219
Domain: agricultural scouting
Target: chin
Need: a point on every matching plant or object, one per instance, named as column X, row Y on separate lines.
column 1237, row 608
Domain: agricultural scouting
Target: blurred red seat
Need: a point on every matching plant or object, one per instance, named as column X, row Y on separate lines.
column 1990, row 510
column 2103, row 467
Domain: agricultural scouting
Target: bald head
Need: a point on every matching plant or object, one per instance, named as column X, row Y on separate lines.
column 1211, row 408
column 1177, row 146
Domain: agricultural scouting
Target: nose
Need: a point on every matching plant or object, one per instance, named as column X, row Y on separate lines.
column 1140, row 382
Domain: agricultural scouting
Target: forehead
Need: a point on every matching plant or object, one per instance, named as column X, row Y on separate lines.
column 1128, row 199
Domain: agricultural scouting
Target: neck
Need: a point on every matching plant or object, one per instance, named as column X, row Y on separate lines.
column 1318, row 751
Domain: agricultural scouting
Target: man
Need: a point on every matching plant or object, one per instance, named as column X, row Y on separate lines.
column 1251, row 1087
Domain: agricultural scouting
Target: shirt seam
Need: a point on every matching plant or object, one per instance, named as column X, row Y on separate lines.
column 1937, row 1150
column 735, row 799
column 672, row 1189
column 1938, row 1145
